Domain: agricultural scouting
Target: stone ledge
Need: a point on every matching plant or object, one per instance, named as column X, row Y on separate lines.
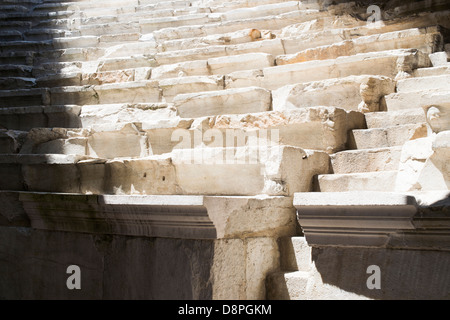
column 177, row 217
column 375, row 219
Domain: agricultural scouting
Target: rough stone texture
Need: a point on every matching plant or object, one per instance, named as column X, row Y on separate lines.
column 363, row 93
column 128, row 108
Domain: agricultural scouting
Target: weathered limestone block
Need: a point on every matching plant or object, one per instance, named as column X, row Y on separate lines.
column 229, row 64
column 387, row 63
column 24, row 98
column 189, row 68
column 438, row 117
column 365, row 181
column 363, row 93
column 59, row 80
column 272, row 22
column 366, row 160
column 108, row 77
column 171, row 57
column 237, row 37
column 414, row 156
column 57, row 173
column 320, row 128
column 76, row 42
column 130, row 49
column 135, row 61
column 246, row 78
column 270, row 46
column 175, row 86
column 127, row 92
column 436, row 172
column 417, row 99
column 394, row 118
column 270, row 171
column 427, row 40
column 260, row 11
column 150, row 25
column 67, row 146
column 388, row 137
column 96, row 116
column 441, row 82
column 244, row 100
column 128, row 142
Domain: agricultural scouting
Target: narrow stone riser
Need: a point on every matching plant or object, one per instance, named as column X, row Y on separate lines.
column 417, row 99
column 387, row 137
column 371, row 181
column 372, row 160
column 378, row 120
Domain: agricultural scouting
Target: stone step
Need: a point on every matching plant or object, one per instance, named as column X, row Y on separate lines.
column 134, row 61
column 368, row 160
column 232, row 101
column 260, row 11
column 151, row 25
column 221, row 6
column 112, row 137
column 435, row 83
column 17, row 58
column 26, row 118
column 23, row 97
column 414, row 38
column 357, row 93
column 439, row 59
column 9, row 8
column 231, row 38
column 417, row 99
column 270, row 22
column 395, row 118
column 13, row 83
column 44, row 34
column 20, row 26
column 417, row 38
column 260, row 171
column 10, row 70
column 12, row 35
column 35, row 17
column 189, row 85
column 430, row 72
column 385, row 63
column 25, row 46
column 273, row 47
column 387, row 137
column 287, row 285
column 76, row 78
column 128, row 92
column 366, row 181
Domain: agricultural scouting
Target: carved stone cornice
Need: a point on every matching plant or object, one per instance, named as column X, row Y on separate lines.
column 179, row 217
column 375, row 219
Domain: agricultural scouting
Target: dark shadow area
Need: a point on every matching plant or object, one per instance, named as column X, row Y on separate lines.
column 29, row 58
column 404, row 274
column 407, row 272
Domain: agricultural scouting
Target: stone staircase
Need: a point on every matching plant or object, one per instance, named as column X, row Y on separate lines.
column 142, row 97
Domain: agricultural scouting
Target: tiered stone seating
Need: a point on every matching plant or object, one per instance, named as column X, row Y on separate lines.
column 143, row 97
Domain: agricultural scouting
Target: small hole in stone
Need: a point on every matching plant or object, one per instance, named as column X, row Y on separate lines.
column 164, row 178
column 145, row 175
